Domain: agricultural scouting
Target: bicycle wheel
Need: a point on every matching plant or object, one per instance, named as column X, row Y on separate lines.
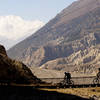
column 96, row 81
column 63, row 82
column 60, row 84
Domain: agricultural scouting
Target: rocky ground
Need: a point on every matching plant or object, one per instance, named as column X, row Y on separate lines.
column 82, row 92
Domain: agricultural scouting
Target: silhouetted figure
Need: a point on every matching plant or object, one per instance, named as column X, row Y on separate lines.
column 98, row 74
column 67, row 77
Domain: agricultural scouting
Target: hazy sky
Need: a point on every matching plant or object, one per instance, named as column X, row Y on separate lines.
column 21, row 18
column 42, row 10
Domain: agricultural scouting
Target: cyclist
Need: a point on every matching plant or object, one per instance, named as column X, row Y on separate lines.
column 67, row 77
column 98, row 74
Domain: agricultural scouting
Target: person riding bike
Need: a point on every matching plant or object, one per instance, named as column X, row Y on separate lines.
column 67, row 81
column 96, row 80
column 98, row 74
column 67, row 77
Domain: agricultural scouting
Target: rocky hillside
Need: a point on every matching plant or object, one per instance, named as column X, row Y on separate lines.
column 3, row 51
column 71, row 38
column 14, row 71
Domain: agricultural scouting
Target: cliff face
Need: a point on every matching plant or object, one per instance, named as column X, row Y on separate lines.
column 71, row 35
column 83, row 51
column 14, row 71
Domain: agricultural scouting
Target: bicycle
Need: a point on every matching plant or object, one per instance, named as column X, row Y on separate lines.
column 96, row 81
column 65, row 83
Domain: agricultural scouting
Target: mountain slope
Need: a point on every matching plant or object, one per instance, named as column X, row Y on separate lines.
column 14, row 71
column 76, row 28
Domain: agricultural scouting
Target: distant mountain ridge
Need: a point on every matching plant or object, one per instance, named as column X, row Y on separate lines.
column 71, row 33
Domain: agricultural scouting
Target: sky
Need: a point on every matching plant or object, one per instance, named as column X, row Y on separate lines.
column 21, row 18
column 43, row 10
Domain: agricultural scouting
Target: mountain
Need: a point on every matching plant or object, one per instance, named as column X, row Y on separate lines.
column 71, row 38
column 14, row 71
column 14, row 29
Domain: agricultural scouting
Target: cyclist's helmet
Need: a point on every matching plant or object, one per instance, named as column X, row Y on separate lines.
column 65, row 73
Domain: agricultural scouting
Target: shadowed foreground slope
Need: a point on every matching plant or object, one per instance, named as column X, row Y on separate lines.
column 28, row 93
